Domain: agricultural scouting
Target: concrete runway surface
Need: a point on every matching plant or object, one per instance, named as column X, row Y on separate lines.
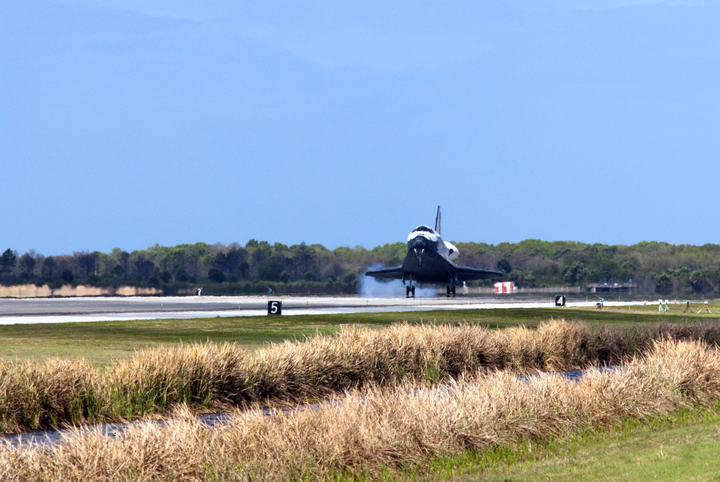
column 59, row 310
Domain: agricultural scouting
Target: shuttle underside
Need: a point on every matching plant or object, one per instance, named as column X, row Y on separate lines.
column 430, row 260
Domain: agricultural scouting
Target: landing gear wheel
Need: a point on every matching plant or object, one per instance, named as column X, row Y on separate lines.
column 407, row 292
column 448, row 292
column 453, row 291
column 412, row 290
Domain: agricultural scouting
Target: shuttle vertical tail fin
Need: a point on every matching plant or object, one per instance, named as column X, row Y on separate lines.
column 437, row 221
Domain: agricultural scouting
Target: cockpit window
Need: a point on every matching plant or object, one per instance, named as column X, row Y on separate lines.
column 423, row 228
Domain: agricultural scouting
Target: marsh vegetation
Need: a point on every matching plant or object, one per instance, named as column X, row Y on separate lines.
column 210, row 376
column 383, row 432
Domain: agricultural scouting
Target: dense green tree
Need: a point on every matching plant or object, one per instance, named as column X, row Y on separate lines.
column 214, row 274
column 86, row 262
column 67, row 276
column 181, row 275
column 27, row 264
column 144, row 267
column 7, row 261
column 269, row 269
column 48, row 267
column 117, row 271
column 575, row 273
column 503, row 265
column 124, row 259
column 233, row 258
column 664, row 283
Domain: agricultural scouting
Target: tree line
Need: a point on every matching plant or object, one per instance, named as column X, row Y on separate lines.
column 650, row 267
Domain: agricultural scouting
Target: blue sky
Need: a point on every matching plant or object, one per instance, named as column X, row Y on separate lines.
column 125, row 124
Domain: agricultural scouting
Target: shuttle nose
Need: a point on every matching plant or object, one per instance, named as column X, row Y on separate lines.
column 418, row 243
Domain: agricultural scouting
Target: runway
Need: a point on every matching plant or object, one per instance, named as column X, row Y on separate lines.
column 62, row 310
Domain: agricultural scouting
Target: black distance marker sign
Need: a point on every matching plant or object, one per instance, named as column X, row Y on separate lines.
column 274, row 307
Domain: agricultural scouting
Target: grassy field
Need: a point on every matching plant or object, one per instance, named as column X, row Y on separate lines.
column 680, row 447
column 101, row 342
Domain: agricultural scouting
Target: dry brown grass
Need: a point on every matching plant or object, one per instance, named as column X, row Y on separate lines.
column 198, row 375
column 212, row 377
column 47, row 394
column 368, row 432
column 289, row 373
column 44, row 291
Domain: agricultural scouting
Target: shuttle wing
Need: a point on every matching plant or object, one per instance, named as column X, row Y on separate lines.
column 395, row 272
column 468, row 274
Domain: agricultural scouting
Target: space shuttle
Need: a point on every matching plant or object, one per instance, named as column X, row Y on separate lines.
column 429, row 259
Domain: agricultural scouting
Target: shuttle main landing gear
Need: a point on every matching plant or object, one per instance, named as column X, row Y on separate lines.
column 409, row 289
column 452, row 283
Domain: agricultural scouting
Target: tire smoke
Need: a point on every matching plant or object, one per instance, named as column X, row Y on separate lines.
column 370, row 287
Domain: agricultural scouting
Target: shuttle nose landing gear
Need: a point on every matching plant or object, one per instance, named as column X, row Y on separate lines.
column 451, row 291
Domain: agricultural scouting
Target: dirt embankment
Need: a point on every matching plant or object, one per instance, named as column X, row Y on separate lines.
column 44, row 291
